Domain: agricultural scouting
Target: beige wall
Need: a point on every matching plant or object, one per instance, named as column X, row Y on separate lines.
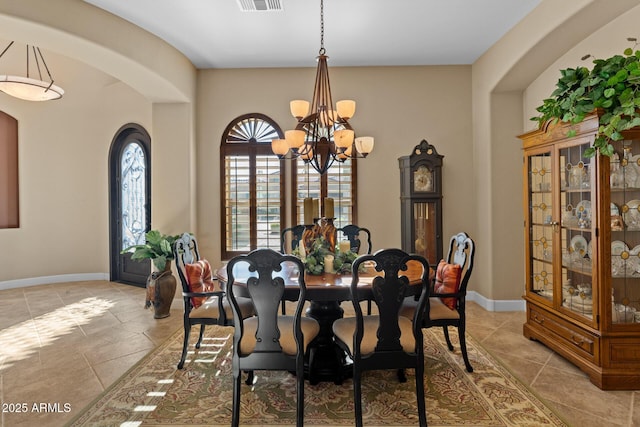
column 472, row 114
column 113, row 73
column 399, row 106
column 499, row 79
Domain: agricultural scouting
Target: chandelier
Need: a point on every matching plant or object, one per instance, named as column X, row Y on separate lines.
column 323, row 134
column 28, row 88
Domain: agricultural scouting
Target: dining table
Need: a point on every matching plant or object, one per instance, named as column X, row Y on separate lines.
column 325, row 293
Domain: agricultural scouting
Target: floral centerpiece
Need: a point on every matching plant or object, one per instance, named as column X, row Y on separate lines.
column 319, row 252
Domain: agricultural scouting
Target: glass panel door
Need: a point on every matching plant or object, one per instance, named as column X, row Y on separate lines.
column 576, row 237
column 625, row 233
column 540, row 207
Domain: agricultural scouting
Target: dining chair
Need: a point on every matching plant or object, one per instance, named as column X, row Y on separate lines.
column 352, row 233
column 204, row 299
column 290, row 238
column 267, row 341
column 448, row 294
column 386, row 340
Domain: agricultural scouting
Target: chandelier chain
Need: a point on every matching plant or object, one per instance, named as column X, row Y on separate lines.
column 322, row 51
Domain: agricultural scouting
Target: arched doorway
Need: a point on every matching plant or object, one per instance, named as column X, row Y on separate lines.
column 129, row 202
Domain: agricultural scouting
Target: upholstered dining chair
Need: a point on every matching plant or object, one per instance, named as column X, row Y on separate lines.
column 267, row 341
column 204, row 300
column 447, row 300
column 386, row 340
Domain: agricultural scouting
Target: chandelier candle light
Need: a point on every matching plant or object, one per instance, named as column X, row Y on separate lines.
column 323, row 134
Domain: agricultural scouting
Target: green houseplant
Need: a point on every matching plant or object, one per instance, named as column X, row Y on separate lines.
column 158, row 248
column 161, row 285
column 612, row 87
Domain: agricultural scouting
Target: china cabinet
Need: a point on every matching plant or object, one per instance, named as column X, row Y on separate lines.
column 582, row 250
column 421, row 202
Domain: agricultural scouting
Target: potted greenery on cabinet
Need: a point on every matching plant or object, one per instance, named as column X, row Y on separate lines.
column 612, row 87
column 161, row 284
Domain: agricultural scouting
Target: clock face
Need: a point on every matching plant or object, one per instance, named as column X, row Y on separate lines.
column 422, row 179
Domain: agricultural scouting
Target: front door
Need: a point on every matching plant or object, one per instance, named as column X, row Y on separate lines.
column 129, row 194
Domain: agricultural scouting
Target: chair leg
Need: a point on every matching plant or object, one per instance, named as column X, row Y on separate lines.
column 402, row 377
column 357, row 397
column 200, row 336
column 235, row 414
column 249, row 380
column 446, row 337
column 284, row 308
column 185, row 345
column 422, row 409
column 300, row 399
column 463, row 348
column 369, row 307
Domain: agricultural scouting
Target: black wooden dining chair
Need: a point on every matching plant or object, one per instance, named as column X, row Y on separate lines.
column 353, row 232
column 268, row 341
column 386, row 340
column 447, row 300
column 290, row 238
column 204, row 300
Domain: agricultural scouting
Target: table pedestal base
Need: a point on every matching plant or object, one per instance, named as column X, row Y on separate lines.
column 327, row 361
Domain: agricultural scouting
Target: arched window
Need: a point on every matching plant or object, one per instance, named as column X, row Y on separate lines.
column 252, row 186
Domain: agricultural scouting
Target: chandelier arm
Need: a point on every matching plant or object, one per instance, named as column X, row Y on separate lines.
column 45, row 64
column 35, row 56
column 6, row 49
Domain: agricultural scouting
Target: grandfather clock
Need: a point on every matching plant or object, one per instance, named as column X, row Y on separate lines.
column 421, row 202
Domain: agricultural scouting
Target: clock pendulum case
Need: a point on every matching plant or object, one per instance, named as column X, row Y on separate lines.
column 421, row 202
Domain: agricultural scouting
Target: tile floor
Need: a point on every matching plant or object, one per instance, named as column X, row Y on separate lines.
column 62, row 345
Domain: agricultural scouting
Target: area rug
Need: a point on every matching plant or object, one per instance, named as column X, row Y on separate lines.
column 155, row 393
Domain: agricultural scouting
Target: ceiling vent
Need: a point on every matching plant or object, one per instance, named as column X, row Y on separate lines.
column 260, row 5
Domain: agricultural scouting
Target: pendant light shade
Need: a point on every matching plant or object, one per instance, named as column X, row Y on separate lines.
column 27, row 88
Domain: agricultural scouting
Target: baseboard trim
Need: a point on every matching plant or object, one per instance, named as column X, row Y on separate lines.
column 496, row 305
column 486, row 303
column 46, row 280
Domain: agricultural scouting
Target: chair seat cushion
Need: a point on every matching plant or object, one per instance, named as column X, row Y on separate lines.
column 437, row 309
column 309, row 326
column 448, row 282
column 209, row 309
column 199, row 278
column 344, row 330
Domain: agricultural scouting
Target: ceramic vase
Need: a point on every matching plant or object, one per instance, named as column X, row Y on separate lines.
column 161, row 289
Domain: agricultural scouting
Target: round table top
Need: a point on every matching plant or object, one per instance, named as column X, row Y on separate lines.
column 325, row 286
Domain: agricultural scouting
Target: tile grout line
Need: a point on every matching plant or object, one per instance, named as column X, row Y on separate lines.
column 631, row 408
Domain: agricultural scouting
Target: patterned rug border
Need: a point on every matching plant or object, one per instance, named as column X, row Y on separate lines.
column 135, row 418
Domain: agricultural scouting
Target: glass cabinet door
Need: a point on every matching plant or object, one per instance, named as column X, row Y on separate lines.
column 577, row 216
column 541, row 226
column 624, row 173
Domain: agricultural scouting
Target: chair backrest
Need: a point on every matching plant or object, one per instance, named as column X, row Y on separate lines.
column 462, row 252
column 389, row 291
column 185, row 251
column 352, row 233
column 290, row 238
column 259, row 270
